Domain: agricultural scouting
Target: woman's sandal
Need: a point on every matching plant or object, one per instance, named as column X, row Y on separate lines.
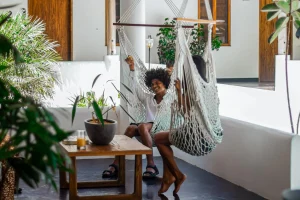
column 150, row 175
column 109, row 173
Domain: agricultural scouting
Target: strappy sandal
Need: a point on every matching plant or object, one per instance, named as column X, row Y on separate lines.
column 109, row 173
column 150, row 175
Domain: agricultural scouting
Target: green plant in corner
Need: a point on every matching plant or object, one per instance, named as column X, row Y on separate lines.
column 198, row 43
column 290, row 8
column 38, row 73
column 166, row 44
column 167, row 38
column 33, row 130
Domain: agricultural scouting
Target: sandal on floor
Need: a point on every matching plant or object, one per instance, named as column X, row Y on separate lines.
column 150, row 175
column 109, row 173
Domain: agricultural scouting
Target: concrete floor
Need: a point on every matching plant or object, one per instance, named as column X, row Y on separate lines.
column 200, row 185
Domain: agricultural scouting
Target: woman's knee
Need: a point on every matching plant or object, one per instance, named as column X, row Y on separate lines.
column 144, row 128
column 162, row 138
column 131, row 131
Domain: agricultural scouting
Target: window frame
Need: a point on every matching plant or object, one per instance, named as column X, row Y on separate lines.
column 214, row 12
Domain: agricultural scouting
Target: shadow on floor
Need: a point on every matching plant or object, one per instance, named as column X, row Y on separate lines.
column 200, row 185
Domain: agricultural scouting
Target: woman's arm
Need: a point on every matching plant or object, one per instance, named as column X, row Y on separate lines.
column 141, row 95
column 183, row 99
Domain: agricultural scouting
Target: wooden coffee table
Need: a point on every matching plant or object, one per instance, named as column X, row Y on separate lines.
column 120, row 147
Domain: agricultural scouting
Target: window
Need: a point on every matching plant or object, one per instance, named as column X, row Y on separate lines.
column 106, row 19
column 220, row 11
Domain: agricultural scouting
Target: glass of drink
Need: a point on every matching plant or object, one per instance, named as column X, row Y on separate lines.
column 81, row 141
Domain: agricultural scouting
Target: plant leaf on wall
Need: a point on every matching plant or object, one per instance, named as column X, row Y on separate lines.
column 281, row 22
column 297, row 24
column 285, row 5
column 280, row 25
column 273, row 15
column 272, row 7
column 298, row 33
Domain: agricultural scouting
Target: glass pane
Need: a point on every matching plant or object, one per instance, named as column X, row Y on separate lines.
column 222, row 14
column 203, row 14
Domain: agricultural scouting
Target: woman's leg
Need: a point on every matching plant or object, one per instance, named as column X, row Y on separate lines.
column 168, row 178
column 131, row 131
column 144, row 131
column 163, row 144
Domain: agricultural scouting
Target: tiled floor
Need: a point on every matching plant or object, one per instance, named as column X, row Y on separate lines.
column 200, row 185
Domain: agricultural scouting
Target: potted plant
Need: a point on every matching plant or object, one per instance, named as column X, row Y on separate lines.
column 291, row 11
column 39, row 72
column 100, row 130
column 167, row 47
column 26, row 128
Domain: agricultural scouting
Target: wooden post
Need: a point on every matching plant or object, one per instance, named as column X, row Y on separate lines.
column 111, row 29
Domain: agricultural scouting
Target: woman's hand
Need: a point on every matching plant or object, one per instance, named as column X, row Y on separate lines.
column 129, row 60
column 178, row 85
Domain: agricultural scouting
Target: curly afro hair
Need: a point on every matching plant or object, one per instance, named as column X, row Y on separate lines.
column 158, row 73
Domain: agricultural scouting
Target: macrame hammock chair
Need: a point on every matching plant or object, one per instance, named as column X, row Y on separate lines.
column 197, row 130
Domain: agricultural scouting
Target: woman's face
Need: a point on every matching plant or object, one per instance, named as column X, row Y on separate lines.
column 157, row 86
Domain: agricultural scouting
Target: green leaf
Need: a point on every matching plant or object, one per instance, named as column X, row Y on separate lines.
column 3, row 67
column 296, row 15
column 297, row 24
column 273, row 15
column 270, row 8
column 274, row 35
column 281, row 22
column 98, row 112
column 285, row 6
column 96, row 78
column 127, row 113
column 74, row 108
column 295, row 5
column 298, row 33
column 127, row 88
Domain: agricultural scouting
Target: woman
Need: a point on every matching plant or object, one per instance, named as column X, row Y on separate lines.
column 172, row 174
column 158, row 81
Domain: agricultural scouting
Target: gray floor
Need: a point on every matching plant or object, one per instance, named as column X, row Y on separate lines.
column 200, row 185
column 257, row 85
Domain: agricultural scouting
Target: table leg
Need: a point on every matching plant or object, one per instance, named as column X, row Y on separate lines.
column 63, row 179
column 121, row 175
column 73, row 180
column 138, row 177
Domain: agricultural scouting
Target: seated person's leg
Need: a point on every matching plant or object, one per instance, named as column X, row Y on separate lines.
column 112, row 171
column 144, row 131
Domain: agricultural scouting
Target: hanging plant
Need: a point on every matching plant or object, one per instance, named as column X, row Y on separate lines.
column 38, row 74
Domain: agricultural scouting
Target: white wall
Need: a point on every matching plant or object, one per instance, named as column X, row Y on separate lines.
column 296, row 46
column 241, row 59
column 18, row 8
column 157, row 14
column 256, row 158
column 89, row 30
column 263, row 159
